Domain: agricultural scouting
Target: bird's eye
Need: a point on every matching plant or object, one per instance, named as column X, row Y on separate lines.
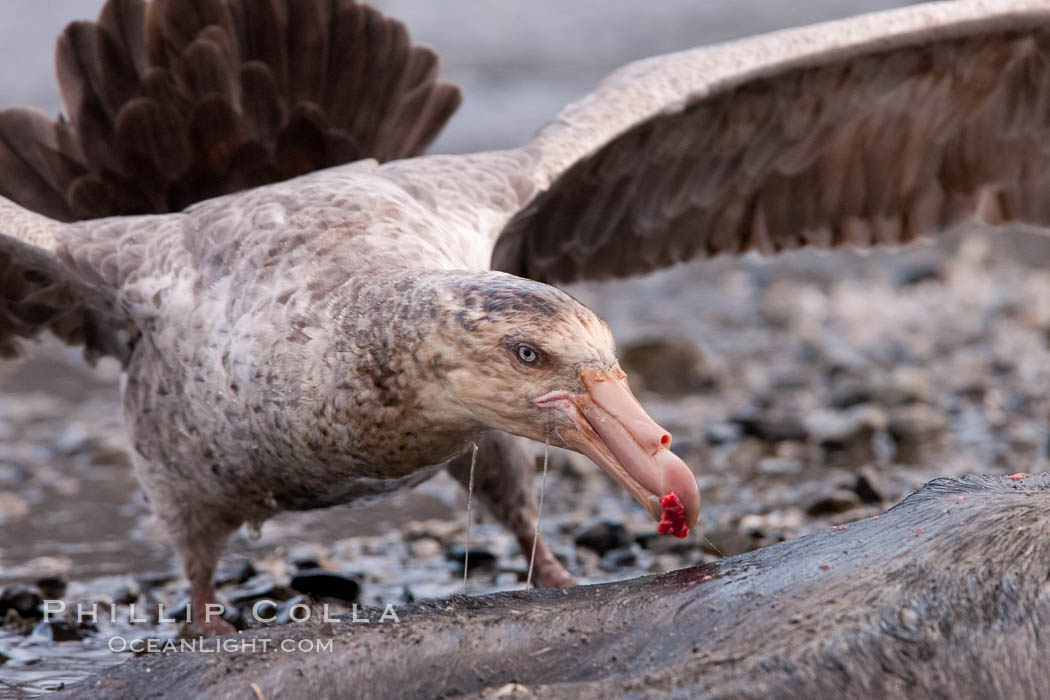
column 527, row 354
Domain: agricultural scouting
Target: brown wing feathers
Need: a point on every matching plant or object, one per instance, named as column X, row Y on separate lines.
column 182, row 100
column 38, row 292
column 873, row 149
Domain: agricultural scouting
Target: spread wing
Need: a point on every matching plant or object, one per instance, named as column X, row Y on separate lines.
column 173, row 102
column 873, row 130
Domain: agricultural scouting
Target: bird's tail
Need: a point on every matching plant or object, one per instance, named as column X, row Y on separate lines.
column 176, row 101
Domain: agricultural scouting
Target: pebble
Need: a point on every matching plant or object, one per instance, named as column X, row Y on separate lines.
column 727, row 541
column 848, row 437
column 868, row 486
column 617, row 559
column 568, row 464
column 235, row 572
column 849, row 392
column 151, row 581
column 774, row 526
column 838, row 501
column 479, row 556
column 772, row 429
column 918, row 272
column 58, row 631
column 22, row 599
column 844, row 428
column 441, row 530
column 653, row 541
column 904, row 385
column 126, row 594
column 666, row 365
column 425, row 548
column 51, row 587
column 915, row 427
column 779, row 465
column 326, row 584
column 239, row 616
column 602, row 536
column 722, row 432
column 14, row 622
column 12, row 506
column 664, row 562
column 307, row 556
column 258, row 588
column 586, row 561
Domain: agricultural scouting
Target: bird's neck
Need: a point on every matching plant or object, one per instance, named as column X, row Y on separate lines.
column 386, row 389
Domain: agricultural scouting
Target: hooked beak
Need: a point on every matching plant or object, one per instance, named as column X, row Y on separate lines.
column 612, row 428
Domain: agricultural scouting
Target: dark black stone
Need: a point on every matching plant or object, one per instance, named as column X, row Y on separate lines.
column 772, row 429
column 125, row 595
column 51, row 587
column 236, row 572
column 305, row 563
column 602, row 536
column 619, row 559
column 918, row 273
column 259, row 588
column 325, row 584
column 22, row 599
column 838, row 501
column 59, row 631
column 238, row 617
column 480, row 558
column 869, row 487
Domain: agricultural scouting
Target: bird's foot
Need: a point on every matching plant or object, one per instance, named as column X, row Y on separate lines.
column 205, row 614
column 549, row 573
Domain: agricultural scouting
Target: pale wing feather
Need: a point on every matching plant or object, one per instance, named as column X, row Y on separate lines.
column 872, row 130
column 41, row 290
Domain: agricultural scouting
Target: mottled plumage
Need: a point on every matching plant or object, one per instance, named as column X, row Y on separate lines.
column 335, row 336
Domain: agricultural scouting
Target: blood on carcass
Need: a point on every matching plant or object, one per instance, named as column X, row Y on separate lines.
column 673, row 518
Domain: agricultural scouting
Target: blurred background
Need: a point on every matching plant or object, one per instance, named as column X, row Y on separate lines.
column 805, row 390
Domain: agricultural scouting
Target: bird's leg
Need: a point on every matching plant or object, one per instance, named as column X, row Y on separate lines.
column 199, row 540
column 503, row 481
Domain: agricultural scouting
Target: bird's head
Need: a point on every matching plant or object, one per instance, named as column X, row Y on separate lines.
column 533, row 361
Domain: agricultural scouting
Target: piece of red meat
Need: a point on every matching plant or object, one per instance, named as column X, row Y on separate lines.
column 673, row 519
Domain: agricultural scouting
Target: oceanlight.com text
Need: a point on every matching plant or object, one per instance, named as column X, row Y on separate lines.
column 214, row 645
